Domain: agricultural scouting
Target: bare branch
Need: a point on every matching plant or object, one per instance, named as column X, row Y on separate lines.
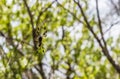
column 98, row 16
column 100, row 25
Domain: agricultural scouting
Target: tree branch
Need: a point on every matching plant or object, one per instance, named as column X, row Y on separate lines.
column 104, row 49
column 34, row 33
column 30, row 13
column 32, row 23
column 87, row 23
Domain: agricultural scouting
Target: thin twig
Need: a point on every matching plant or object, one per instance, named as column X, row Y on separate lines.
column 41, row 12
column 111, row 26
column 18, row 40
column 115, row 6
column 70, row 12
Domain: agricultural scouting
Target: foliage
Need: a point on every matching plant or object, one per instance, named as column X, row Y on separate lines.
column 69, row 50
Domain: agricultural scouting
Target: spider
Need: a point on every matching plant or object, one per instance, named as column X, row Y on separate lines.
column 40, row 38
column 40, row 33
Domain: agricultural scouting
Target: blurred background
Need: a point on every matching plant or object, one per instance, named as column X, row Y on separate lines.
column 59, row 39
